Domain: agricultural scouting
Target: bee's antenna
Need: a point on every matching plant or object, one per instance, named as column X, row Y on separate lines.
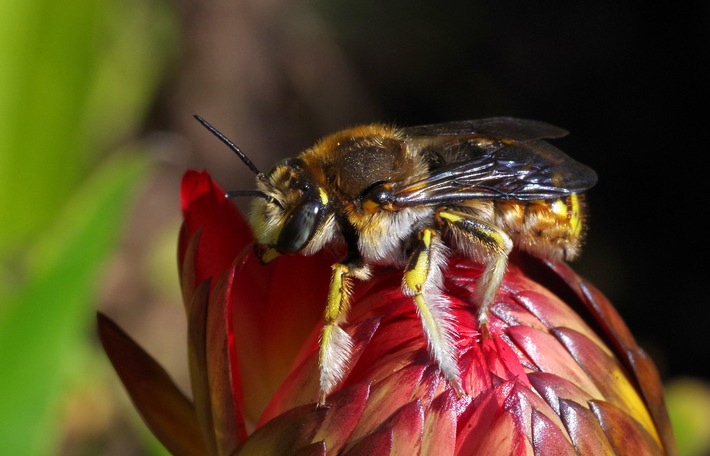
column 231, row 145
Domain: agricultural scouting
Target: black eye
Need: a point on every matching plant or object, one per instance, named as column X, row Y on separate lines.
column 300, row 227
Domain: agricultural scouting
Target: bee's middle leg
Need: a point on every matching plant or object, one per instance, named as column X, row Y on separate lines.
column 422, row 280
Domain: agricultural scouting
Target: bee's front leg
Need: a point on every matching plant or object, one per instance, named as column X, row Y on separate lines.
column 484, row 243
column 335, row 343
column 422, row 280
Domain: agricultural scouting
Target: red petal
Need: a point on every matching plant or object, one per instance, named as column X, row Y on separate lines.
column 550, row 356
column 607, row 373
column 224, row 232
column 314, row 449
column 225, row 391
column 386, row 397
column 477, row 378
column 197, row 357
column 492, row 429
column 408, row 427
column 439, row 436
column 626, row 348
column 166, row 411
column 344, row 411
column 554, row 389
column 625, row 434
column 502, row 361
column 188, row 274
column 275, row 309
column 379, row 443
column 302, row 385
column 292, row 430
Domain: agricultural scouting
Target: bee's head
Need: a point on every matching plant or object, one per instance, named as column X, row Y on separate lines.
column 292, row 213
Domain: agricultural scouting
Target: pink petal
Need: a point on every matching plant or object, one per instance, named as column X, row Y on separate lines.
column 548, row 439
column 554, row 389
column 550, row 356
column 607, row 373
column 553, row 312
column 584, row 429
column 625, row 347
column 625, row 434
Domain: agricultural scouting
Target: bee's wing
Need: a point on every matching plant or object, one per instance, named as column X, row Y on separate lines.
column 499, row 158
column 493, row 127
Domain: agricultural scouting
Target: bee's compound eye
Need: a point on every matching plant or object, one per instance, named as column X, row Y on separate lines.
column 299, row 227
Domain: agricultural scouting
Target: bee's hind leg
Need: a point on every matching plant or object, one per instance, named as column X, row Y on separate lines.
column 484, row 243
column 423, row 281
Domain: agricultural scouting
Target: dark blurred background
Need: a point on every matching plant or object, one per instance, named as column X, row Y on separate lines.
column 627, row 79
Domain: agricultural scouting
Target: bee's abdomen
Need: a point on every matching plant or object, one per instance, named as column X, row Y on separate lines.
column 550, row 228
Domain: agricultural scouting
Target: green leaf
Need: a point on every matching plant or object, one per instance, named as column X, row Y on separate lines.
column 45, row 322
column 76, row 78
column 49, row 55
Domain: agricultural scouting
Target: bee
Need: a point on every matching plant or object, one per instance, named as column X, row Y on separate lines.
column 407, row 197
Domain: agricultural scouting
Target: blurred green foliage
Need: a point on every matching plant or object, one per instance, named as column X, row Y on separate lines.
column 688, row 401
column 76, row 79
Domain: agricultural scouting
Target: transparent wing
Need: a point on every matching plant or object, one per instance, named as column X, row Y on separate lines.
column 498, row 158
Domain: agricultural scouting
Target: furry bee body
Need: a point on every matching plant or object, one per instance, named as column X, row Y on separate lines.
column 406, row 197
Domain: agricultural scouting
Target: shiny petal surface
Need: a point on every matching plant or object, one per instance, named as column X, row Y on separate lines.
column 619, row 337
column 625, row 434
column 584, row 429
column 557, row 372
column 224, row 232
